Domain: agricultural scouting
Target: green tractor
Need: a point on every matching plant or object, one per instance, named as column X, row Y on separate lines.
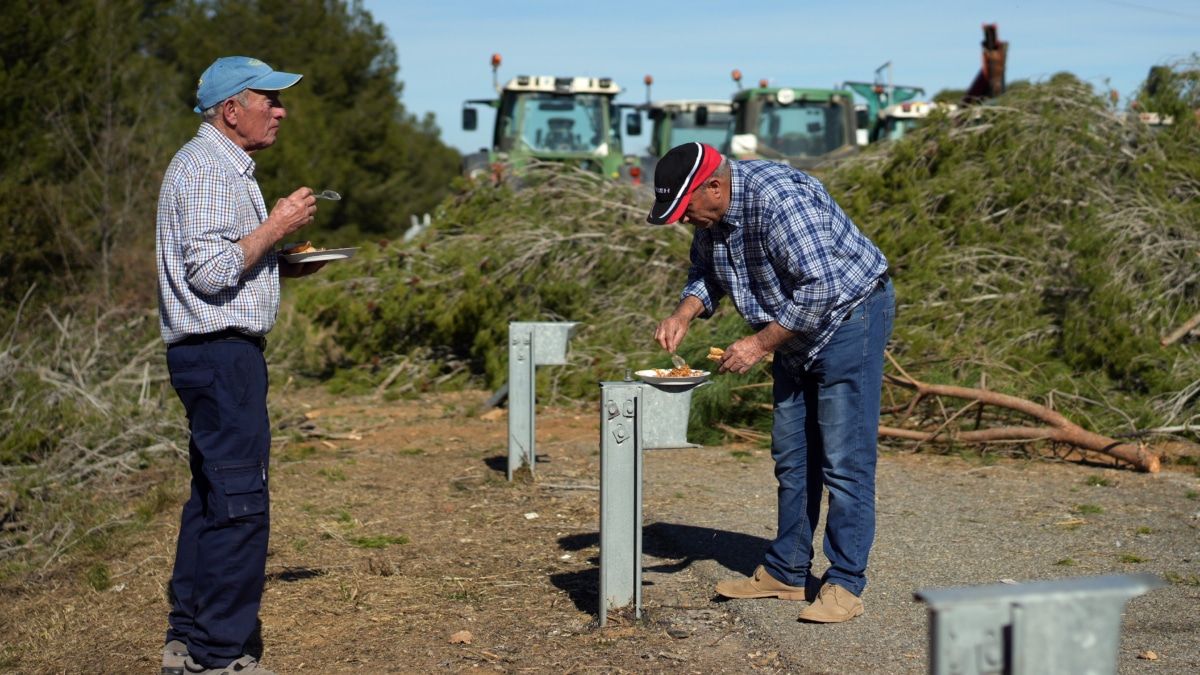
column 804, row 128
column 575, row 120
column 881, row 97
column 677, row 122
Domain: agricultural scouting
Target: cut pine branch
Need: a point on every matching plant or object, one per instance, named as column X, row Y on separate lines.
column 1178, row 334
column 1058, row 428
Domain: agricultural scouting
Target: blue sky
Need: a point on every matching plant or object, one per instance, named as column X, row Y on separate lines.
column 690, row 48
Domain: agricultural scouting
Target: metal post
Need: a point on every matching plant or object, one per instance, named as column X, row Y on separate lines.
column 890, row 88
column 1045, row 627
column 521, row 372
column 530, row 344
column 665, row 411
column 620, row 497
column 634, row 416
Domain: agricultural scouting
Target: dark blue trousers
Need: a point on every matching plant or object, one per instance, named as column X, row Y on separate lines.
column 221, row 557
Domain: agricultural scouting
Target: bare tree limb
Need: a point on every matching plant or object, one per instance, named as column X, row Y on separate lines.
column 1059, row 430
column 1177, row 334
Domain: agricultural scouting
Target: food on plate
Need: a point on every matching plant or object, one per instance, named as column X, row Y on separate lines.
column 715, row 353
column 683, row 371
column 302, row 247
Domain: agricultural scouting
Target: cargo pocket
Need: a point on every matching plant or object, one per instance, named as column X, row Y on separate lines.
column 195, row 390
column 244, row 490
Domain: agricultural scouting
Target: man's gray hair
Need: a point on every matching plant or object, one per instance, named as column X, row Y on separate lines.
column 722, row 170
column 211, row 113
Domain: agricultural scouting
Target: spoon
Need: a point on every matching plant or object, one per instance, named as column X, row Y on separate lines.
column 678, row 360
column 329, row 194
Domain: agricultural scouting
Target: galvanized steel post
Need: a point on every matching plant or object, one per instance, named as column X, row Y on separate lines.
column 634, row 416
column 530, row 344
column 620, row 497
column 1044, row 627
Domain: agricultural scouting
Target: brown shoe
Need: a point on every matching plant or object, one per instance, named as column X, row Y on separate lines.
column 761, row 585
column 834, row 604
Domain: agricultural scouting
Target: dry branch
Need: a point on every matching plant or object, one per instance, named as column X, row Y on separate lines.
column 1059, row 429
column 1177, row 334
column 744, row 434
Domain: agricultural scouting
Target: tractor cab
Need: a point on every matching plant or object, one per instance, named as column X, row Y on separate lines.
column 897, row 120
column 677, row 122
column 804, row 128
column 565, row 119
column 880, row 95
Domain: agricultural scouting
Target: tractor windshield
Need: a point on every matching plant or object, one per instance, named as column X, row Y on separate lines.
column 714, row 132
column 802, row 128
column 896, row 127
column 544, row 122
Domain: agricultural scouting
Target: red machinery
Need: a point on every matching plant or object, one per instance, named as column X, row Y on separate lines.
column 989, row 82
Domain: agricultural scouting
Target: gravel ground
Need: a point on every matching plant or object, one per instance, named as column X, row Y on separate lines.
column 942, row 522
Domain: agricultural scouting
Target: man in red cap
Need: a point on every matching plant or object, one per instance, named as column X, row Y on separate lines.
column 817, row 294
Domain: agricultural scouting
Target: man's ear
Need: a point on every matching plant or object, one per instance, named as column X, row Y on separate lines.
column 229, row 112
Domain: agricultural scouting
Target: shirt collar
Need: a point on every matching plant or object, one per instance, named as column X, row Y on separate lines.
column 241, row 161
column 733, row 214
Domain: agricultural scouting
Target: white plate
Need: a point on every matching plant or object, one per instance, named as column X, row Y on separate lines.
column 650, row 377
column 315, row 256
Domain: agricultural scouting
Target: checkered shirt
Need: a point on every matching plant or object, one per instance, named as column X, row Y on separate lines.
column 208, row 201
column 784, row 252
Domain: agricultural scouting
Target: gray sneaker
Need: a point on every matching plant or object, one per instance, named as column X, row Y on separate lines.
column 247, row 665
column 174, row 655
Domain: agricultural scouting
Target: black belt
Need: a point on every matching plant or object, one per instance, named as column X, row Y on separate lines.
column 227, row 334
column 880, row 284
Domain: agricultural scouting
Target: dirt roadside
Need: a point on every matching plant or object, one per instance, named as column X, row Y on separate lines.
column 399, row 547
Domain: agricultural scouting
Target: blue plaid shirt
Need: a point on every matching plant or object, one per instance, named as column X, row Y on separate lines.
column 208, row 201
column 784, row 252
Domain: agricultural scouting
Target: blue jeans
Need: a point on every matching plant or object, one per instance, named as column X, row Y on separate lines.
column 221, row 556
column 824, row 436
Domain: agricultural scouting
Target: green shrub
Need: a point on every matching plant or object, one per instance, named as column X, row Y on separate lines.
column 1041, row 247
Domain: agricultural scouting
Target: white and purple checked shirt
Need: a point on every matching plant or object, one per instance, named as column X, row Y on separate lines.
column 208, row 201
column 784, row 252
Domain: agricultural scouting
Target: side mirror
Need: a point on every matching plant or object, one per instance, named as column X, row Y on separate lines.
column 470, row 119
column 701, row 115
column 743, row 144
column 633, row 124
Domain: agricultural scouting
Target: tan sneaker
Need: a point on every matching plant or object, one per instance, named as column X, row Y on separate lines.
column 834, row 604
column 761, row 585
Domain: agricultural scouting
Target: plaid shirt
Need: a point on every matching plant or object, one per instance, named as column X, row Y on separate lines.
column 784, row 252
column 208, row 201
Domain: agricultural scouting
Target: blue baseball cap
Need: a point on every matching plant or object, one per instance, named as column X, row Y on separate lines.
column 230, row 75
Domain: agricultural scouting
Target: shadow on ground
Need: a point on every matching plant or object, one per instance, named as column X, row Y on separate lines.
column 684, row 544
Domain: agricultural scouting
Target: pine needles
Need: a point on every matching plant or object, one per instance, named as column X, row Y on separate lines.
column 1044, row 244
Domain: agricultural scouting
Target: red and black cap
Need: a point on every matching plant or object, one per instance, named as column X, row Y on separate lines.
column 679, row 172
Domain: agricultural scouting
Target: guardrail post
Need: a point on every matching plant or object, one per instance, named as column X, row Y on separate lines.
column 634, row 416
column 1044, row 627
column 620, row 497
column 530, row 344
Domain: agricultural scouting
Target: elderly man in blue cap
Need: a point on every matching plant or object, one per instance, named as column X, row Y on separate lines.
column 218, row 291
